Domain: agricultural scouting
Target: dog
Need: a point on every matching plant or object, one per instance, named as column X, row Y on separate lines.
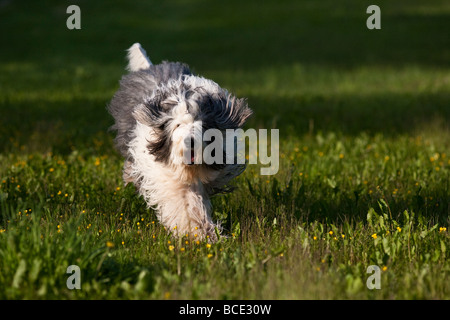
column 160, row 113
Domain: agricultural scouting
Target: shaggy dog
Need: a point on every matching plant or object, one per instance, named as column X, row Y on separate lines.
column 161, row 112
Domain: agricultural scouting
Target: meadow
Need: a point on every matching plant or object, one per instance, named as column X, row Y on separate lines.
column 364, row 179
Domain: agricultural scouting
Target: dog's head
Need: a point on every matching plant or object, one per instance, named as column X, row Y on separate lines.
column 180, row 110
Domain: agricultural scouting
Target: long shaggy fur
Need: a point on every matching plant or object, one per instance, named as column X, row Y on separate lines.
column 160, row 111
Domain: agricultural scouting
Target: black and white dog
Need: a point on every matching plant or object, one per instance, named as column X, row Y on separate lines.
column 161, row 112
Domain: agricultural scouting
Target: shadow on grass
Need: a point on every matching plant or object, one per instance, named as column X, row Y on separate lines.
column 233, row 35
column 44, row 126
column 387, row 113
column 223, row 36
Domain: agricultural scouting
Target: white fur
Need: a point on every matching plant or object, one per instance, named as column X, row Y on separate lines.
column 138, row 59
column 176, row 191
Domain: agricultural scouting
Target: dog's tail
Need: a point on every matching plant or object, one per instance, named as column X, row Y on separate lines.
column 137, row 58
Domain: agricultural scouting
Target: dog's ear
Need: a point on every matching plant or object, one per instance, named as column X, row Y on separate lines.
column 238, row 111
column 141, row 114
column 225, row 112
column 151, row 113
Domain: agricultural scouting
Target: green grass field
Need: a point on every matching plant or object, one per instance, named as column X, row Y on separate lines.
column 364, row 175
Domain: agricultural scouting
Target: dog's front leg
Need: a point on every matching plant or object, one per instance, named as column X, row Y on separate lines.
column 185, row 210
column 198, row 212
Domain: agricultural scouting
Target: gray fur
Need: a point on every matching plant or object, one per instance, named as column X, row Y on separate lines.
column 134, row 88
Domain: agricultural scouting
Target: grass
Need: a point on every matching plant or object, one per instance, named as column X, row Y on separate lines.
column 364, row 152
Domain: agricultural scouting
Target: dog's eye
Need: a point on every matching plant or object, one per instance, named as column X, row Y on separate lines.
column 178, row 125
